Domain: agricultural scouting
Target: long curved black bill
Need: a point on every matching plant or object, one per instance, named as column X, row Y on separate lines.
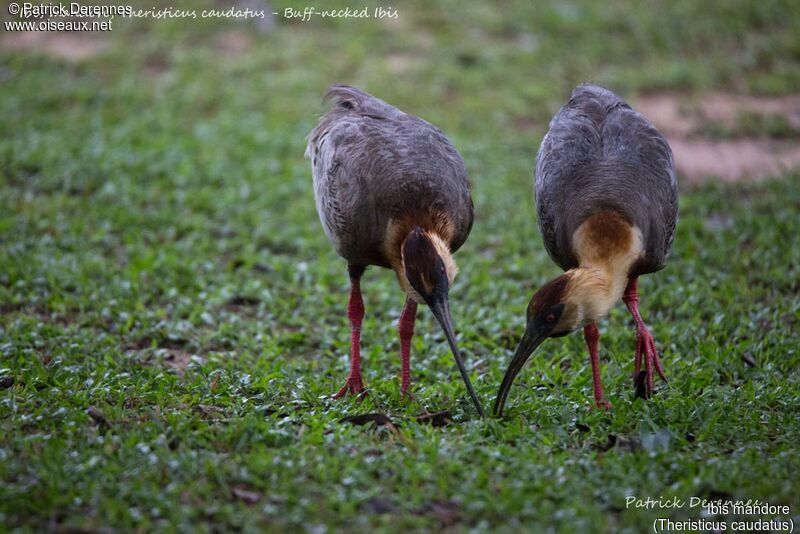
column 441, row 310
column 524, row 350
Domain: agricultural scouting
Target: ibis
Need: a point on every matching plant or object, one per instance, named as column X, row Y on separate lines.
column 606, row 200
column 391, row 191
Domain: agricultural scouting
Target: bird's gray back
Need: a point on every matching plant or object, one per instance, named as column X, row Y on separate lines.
column 372, row 164
column 601, row 154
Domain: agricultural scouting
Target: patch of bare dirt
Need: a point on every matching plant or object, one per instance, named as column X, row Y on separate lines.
column 697, row 156
column 177, row 359
column 725, row 107
column 734, row 159
column 72, row 46
column 665, row 111
column 246, row 495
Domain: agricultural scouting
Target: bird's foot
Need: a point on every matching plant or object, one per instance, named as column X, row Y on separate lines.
column 603, row 405
column 646, row 349
column 405, row 384
column 406, row 395
column 408, row 398
column 354, row 386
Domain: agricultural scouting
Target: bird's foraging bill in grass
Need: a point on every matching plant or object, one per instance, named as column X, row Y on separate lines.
column 391, row 191
column 606, row 199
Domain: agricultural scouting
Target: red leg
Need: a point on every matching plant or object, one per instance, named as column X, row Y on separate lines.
column 592, row 336
column 406, row 329
column 645, row 344
column 355, row 312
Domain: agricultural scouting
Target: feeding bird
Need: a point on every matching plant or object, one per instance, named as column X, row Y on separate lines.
column 606, row 199
column 391, row 190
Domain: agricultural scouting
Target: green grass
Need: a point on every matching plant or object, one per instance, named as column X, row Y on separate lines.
column 173, row 319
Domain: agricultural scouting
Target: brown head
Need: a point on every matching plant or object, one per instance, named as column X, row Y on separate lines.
column 566, row 303
column 429, row 269
column 428, row 266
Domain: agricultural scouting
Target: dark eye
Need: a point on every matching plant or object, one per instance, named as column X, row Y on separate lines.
column 550, row 317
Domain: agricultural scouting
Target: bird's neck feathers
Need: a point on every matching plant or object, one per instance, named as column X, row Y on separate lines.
column 607, row 246
column 443, row 249
column 590, row 294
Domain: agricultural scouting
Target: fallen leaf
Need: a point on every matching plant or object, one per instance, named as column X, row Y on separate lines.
column 608, row 445
column 248, row 496
column 621, row 442
column 378, row 419
column 209, row 412
column 241, row 300
column 6, row 382
column 98, row 417
column 379, row 505
column 446, row 512
column 442, row 418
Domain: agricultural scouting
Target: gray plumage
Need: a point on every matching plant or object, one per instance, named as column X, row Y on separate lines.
column 372, row 163
column 601, row 154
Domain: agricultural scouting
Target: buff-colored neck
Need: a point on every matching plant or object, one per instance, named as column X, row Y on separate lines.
column 606, row 246
column 447, row 257
column 594, row 291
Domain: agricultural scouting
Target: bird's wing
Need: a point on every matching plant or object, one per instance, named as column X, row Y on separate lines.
column 431, row 176
column 336, row 150
column 650, row 191
column 570, row 144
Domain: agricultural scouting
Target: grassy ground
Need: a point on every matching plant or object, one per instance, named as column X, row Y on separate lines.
column 173, row 318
